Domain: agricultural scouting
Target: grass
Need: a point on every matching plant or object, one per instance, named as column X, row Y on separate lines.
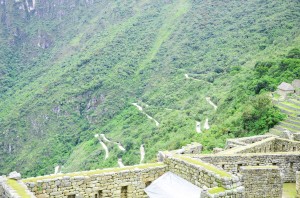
column 295, row 101
column 166, row 30
column 18, row 188
column 288, row 128
column 94, row 172
column 216, row 190
column 290, row 112
column 289, row 190
column 205, row 165
column 290, row 124
column 291, row 105
column 122, row 52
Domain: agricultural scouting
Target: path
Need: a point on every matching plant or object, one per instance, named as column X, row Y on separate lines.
column 142, row 151
column 211, row 103
column 57, row 169
column 120, row 146
column 148, row 116
column 198, row 127
column 120, row 163
column 103, row 145
column 117, row 143
column 104, row 138
column 138, row 106
column 105, row 148
column 206, row 125
column 188, row 77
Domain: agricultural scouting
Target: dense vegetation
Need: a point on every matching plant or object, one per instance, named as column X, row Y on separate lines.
column 72, row 70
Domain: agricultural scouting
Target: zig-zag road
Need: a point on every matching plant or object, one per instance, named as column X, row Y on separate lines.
column 141, row 109
column 104, row 138
column 103, row 145
column 211, row 103
column 120, row 146
column 206, row 125
column 188, row 77
column 120, row 163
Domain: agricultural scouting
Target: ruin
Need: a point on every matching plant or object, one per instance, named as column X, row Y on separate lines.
column 248, row 167
column 258, row 166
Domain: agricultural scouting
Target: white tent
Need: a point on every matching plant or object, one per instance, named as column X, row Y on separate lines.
column 170, row 185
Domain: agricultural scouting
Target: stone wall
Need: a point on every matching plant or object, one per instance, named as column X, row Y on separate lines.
column 282, row 145
column 6, row 191
column 123, row 183
column 298, row 184
column 202, row 174
column 296, row 136
column 288, row 163
column 260, row 181
column 193, row 148
column 230, row 143
column 269, row 145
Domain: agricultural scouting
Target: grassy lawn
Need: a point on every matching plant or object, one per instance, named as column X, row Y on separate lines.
column 289, row 190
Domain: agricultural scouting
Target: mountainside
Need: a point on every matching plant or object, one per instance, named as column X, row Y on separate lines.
column 72, row 69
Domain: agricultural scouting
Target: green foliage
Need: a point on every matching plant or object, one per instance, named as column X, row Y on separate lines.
column 104, row 56
column 259, row 115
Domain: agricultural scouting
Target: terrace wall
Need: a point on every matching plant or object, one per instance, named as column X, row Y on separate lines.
column 288, row 163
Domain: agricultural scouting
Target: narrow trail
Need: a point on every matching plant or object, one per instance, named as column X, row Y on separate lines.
column 188, row 77
column 120, row 146
column 138, row 106
column 211, row 103
column 148, row 116
column 198, row 127
column 120, row 163
column 105, row 148
column 109, row 141
column 57, row 169
column 142, row 151
column 206, row 125
column 104, row 138
column 103, row 145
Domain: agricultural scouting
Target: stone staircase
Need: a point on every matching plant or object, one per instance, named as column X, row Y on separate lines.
column 291, row 107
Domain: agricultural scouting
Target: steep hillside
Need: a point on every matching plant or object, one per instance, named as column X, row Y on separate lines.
column 71, row 69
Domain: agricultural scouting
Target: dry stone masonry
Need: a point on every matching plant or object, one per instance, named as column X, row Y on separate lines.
column 251, row 167
column 262, row 181
column 118, row 183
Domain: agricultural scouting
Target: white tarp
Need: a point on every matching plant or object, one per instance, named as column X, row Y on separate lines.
column 170, row 185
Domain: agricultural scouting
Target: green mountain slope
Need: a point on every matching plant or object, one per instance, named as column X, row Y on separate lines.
column 70, row 70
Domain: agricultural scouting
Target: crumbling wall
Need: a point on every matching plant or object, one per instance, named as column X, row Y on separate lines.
column 128, row 183
column 262, row 181
column 288, row 163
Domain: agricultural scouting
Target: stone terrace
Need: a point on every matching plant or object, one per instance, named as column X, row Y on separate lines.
column 248, row 167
